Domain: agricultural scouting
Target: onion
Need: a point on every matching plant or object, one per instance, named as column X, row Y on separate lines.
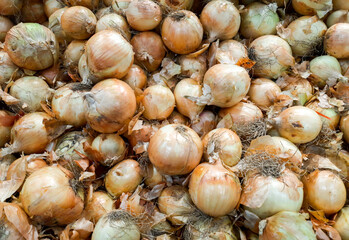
column 207, row 121
column 336, row 41
column 220, row 19
column 49, row 198
column 230, row 51
column 193, row 67
column 6, row 122
column 10, row 7
column 109, row 60
column 182, row 32
column 304, row 35
column 5, row 164
column 324, row 190
column 340, row 4
column 259, row 19
column 339, row 16
column 116, row 225
column 280, row 3
column 43, row 51
column 272, row 55
column 68, row 104
column 286, row 225
column 5, row 26
column 91, row 4
column 345, row 66
column 332, row 114
column 73, row 53
column 299, row 124
column 55, row 24
column 344, row 126
column 175, row 149
column 143, row 133
column 300, row 89
column 136, row 77
column 153, row 177
column 342, row 223
column 214, row 189
column 85, row 72
column 143, row 15
column 123, row 177
column 111, row 103
column 35, row 164
column 149, row 50
column 312, row 7
column 263, row 92
column 31, row 91
column 8, row 70
column 104, row 11
column 242, row 113
column 158, row 102
column 98, row 205
column 33, row 11
column 78, row 22
column 115, row 22
column 171, row 5
column 50, row 6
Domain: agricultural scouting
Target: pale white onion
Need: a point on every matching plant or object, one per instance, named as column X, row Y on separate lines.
column 143, row 15
column 336, row 41
column 263, row 92
column 114, row 22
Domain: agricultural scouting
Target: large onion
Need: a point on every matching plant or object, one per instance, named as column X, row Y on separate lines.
column 115, row 22
column 10, row 7
column 312, row 7
column 263, row 92
column 99, row 204
column 5, row 26
column 336, row 41
column 342, row 223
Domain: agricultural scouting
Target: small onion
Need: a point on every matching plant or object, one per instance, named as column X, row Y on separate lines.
column 68, row 104
column 123, row 177
column 73, row 53
column 158, row 102
column 182, row 32
column 33, row 164
column 149, row 50
column 6, row 122
column 332, row 115
column 193, row 67
column 175, row 149
column 43, row 51
column 91, row 4
column 312, row 7
column 153, row 177
column 299, row 124
column 300, row 89
column 230, row 51
column 143, row 15
column 99, row 204
column 342, row 223
column 259, row 19
column 336, row 41
column 5, row 26
column 136, row 77
column 207, row 121
column 115, row 22
column 33, row 11
column 10, row 7
column 220, row 20
column 8, row 69
column 340, row 16
column 214, row 190
column 49, row 198
column 273, row 56
column 55, row 24
column 50, row 6
column 324, row 190
column 263, row 92
column 110, row 104
column 78, row 22
column 177, row 5
column 344, row 126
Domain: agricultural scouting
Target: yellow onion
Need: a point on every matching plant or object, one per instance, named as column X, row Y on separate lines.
column 345, row 66
column 99, row 204
column 49, row 197
column 110, row 104
column 344, row 126
column 123, row 177
column 50, row 6
column 85, row 72
column 43, row 50
column 312, row 7
column 222, row 145
column 149, row 50
column 299, row 124
column 177, row 117
column 31, row 91
column 143, row 15
column 242, row 113
column 332, row 114
column 176, row 203
column 340, row 4
column 10, row 7
column 109, row 60
column 153, row 177
column 263, row 92
column 207, row 121
column 214, row 189
column 104, row 11
column 5, row 26
column 336, row 41
column 305, row 35
column 324, row 190
column 193, row 67
column 342, row 223
column 33, row 11
column 158, row 102
column 230, row 51
column 175, row 149
column 55, row 24
column 182, row 32
column 176, row 5
column 33, row 163
column 136, row 77
column 5, row 164
column 188, row 87
column 91, row 4
column 300, row 89
column 272, row 55
column 220, row 20
column 78, row 22
column 73, row 53
column 8, row 70
column 259, row 19
column 143, row 133
column 114, row 22
column 116, row 224
column 339, row 16
column 286, row 225
column 6, row 123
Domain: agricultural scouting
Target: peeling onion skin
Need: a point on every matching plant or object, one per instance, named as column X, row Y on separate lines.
column 99, row 204
column 8, row 69
column 207, row 121
column 114, row 22
column 175, row 149
column 230, row 51
column 214, row 190
column 5, row 26
column 48, row 198
column 10, row 7
column 6, row 123
column 344, row 126
column 136, row 77
column 44, row 49
column 143, row 15
column 336, row 41
column 194, row 68
column 55, row 24
column 342, row 223
column 73, row 53
column 340, row 4
column 50, row 6
column 312, row 7
column 332, row 113
column 339, row 16
column 324, row 190
column 263, row 92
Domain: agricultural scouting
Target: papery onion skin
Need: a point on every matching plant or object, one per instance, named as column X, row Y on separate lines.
column 344, row 126
column 153, row 177
column 214, row 190
column 104, row 11
column 175, row 149
column 336, row 41
column 55, row 24
column 339, row 16
column 143, row 15
column 324, row 190
column 300, row 89
column 194, row 68
column 33, row 11
column 10, row 7
column 73, row 53
column 143, row 134
column 280, row 3
column 5, row 26
column 50, row 6
column 99, row 204
column 263, row 92
column 207, row 121
column 8, row 69
column 340, row 4
column 230, row 51
column 35, row 164
column 114, row 22
column 6, row 122
column 312, row 7
column 48, row 198
column 136, row 77
column 342, row 223
column 331, row 113
column 44, row 49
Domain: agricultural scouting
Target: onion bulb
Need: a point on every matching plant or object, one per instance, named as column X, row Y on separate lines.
column 110, row 104
column 324, row 190
column 280, row 3
column 220, row 20
column 272, row 55
column 312, row 7
column 73, row 53
column 143, row 133
column 49, row 197
column 176, row 5
column 299, row 124
column 91, row 4
column 214, row 189
column 123, row 177
column 177, row 117
column 6, row 122
column 152, row 176
column 158, row 102
column 99, row 204
column 182, row 32
column 336, row 41
column 332, row 114
column 263, row 92
column 207, row 121
column 43, row 51
column 33, row 11
column 344, row 126
column 55, row 24
column 5, row 26
column 104, row 11
column 230, row 51
column 342, row 223
column 136, row 77
column 114, row 22
column 175, row 149
column 143, row 15
column 8, row 70
column 300, row 89
column 193, row 67
column 259, row 19
column 116, row 224
column 339, row 16
column 149, row 50
column 340, row 4
column 10, row 7
column 50, row 6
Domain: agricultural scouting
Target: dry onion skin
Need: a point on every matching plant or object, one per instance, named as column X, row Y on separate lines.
column 44, row 49
column 114, row 22
column 6, row 122
column 340, row 4
column 5, row 26
column 99, row 204
column 10, row 7
column 263, row 92
column 231, row 52
column 182, row 32
column 339, row 16
column 301, row 89
column 175, row 149
column 136, row 77
column 336, row 41
column 207, row 121
column 331, row 118
column 50, row 6
column 312, row 7
column 8, row 69
column 55, row 24
column 48, row 197
column 33, row 11
column 193, row 67
column 170, row 5
column 342, row 223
